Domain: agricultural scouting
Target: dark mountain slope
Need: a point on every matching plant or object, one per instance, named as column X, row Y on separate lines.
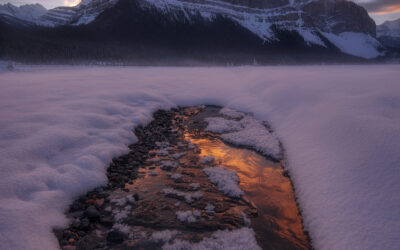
column 128, row 33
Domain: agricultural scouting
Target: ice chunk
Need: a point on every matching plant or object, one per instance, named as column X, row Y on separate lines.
column 164, row 236
column 188, row 216
column 239, row 239
column 207, row 159
column 188, row 196
column 225, row 179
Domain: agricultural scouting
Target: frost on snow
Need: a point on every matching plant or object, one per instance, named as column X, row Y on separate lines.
column 153, row 173
column 238, row 239
column 188, row 216
column 195, row 186
column 122, row 227
column 210, row 209
column 164, row 236
column 225, row 179
column 188, row 196
column 177, row 156
column 168, row 165
column 255, row 134
column 231, row 113
column 246, row 219
column 247, row 132
column 221, row 125
column 176, row 176
column 207, row 159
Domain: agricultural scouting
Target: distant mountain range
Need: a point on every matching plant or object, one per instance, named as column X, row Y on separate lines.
column 220, row 31
column 388, row 33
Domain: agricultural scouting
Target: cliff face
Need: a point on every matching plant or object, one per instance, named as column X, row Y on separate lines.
column 259, row 16
column 338, row 16
column 309, row 17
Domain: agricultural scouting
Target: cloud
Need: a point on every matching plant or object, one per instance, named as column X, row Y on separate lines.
column 71, row 2
column 380, row 6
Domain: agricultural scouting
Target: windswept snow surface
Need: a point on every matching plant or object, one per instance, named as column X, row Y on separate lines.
column 340, row 126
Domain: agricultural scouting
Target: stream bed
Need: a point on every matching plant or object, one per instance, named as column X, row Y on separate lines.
column 183, row 187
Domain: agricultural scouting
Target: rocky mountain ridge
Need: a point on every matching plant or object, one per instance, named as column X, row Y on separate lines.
column 83, row 13
column 388, row 33
column 335, row 25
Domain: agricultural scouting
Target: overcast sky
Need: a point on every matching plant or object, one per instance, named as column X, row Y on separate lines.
column 380, row 10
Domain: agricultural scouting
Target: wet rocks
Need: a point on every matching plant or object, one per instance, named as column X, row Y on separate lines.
column 91, row 213
column 115, row 237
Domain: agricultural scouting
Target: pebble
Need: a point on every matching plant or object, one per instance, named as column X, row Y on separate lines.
column 99, row 202
column 115, row 237
column 107, row 221
column 90, row 201
column 92, row 213
column 85, row 224
column 69, row 248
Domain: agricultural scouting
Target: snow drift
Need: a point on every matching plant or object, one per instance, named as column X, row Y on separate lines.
column 340, row 126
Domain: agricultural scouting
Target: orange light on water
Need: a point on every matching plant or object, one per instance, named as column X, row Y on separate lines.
column 265, row 185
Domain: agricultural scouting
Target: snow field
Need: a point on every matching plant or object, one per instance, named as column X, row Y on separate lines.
column 339, row 125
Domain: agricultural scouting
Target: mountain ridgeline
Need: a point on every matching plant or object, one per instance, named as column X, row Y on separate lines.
column 182, row 32
column 388, row 33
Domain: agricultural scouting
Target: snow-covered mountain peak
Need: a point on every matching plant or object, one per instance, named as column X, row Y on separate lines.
column 28, row 12
column 323, row 23
column 342, row 23
column 85, row 12
column 389, row 28
column 85, row 2
column 389, row 33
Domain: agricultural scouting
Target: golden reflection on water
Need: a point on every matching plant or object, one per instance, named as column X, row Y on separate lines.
column 264, row 184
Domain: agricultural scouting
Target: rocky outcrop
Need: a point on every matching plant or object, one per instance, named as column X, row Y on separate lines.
column 338, row 16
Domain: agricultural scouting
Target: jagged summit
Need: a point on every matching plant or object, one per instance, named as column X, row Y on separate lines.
column 389, row 28
column 389, row 33
column 28, row 12
column 83, row 13
column 340, row 22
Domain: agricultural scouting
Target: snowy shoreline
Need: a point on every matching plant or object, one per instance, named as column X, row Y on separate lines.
column 339, row 125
